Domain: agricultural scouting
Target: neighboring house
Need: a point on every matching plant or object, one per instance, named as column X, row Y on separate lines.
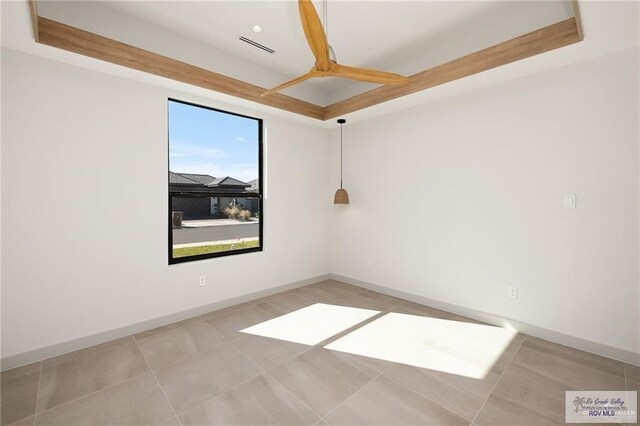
column 254, row 185
column 207, row 207
column 253, row 204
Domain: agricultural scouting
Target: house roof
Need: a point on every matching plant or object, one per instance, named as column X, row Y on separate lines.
column 228, row 181
column 190, row 178
column 203, row 181
column 181, row 179
column 200, row 178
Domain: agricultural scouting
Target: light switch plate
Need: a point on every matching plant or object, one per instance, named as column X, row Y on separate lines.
column 569, row 201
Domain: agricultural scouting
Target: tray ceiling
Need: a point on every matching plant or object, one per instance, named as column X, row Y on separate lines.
column 397, row 36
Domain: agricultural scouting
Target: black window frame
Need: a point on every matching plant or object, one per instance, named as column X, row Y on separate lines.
column 258, row 195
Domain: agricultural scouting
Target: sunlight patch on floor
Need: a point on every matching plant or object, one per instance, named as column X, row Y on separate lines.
column 311, row 325
column 453, row 347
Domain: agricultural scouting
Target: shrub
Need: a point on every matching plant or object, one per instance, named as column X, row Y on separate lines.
column 232, row 212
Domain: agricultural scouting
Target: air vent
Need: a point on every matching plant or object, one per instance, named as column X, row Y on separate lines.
column 256, row 44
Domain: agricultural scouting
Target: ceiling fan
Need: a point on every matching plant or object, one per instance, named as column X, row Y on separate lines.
column 325, row 65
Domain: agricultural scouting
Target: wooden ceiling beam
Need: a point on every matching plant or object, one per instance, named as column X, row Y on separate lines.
column 33, row 11
column 552, row 37
column 56, row 34
column 62, row 36
column 576, row 15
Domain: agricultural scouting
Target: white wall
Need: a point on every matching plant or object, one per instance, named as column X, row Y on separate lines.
column 84, row 244
column 453, row 200
column 457, row 199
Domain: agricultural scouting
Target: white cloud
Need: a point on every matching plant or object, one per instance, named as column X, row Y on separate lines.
column 213, row 153
column 241, row 139
column 182, row 150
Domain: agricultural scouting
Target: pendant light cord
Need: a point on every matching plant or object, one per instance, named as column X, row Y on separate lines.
column 341, row 156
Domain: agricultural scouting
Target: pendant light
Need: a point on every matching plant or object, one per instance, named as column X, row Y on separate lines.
column 341, row 196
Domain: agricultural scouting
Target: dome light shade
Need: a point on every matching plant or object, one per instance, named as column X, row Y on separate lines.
column 341, row 197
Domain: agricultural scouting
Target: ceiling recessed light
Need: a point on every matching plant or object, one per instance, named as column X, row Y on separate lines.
column 257, row 29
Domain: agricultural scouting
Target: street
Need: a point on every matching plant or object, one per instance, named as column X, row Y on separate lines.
column 214, row 233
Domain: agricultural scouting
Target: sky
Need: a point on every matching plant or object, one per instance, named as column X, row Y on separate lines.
column 211, row 142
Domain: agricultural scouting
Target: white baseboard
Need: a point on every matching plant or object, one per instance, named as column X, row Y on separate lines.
column 29, row 357
column 531, row 330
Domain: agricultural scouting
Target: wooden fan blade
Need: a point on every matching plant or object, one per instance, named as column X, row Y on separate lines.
column 314, row 32
column 290, row 83
column 370, row 76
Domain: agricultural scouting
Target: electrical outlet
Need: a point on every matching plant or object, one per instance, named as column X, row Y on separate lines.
column 512, row 292
column 203, row 281
column 569, row 201
column 369, row 263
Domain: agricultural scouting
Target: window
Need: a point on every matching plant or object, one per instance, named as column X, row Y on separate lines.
column 215, row 183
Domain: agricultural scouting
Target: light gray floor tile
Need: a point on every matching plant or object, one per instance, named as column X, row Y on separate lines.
column 632, row 373
column 383, row 299
column 384, row 402
column 514, row 403
column 284, row 305
column 323, row 379
column 549, row 372
column 135, row 402
column 462, row 395
column 229, row 325
column 25, row 370
column 192, row 381
column 29, row 421
column 19, row 391
column 173, row 421
column 225, row 311
column 177, row 343
column 322, row 294
column 268, row 352
column 459, row 394
column 292, row 292
column 597, row 362
column 634, row 387
column 411, row 308
column 378, row 303
column 377, row 365
column 86, row 351
column 80, row 376
column 164, row 328
column 340, row 287
column 261, row 401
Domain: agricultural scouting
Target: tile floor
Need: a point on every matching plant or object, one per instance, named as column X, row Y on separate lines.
column 205, row 371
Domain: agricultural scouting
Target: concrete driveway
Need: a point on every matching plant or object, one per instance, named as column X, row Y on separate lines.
column 215, row 233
